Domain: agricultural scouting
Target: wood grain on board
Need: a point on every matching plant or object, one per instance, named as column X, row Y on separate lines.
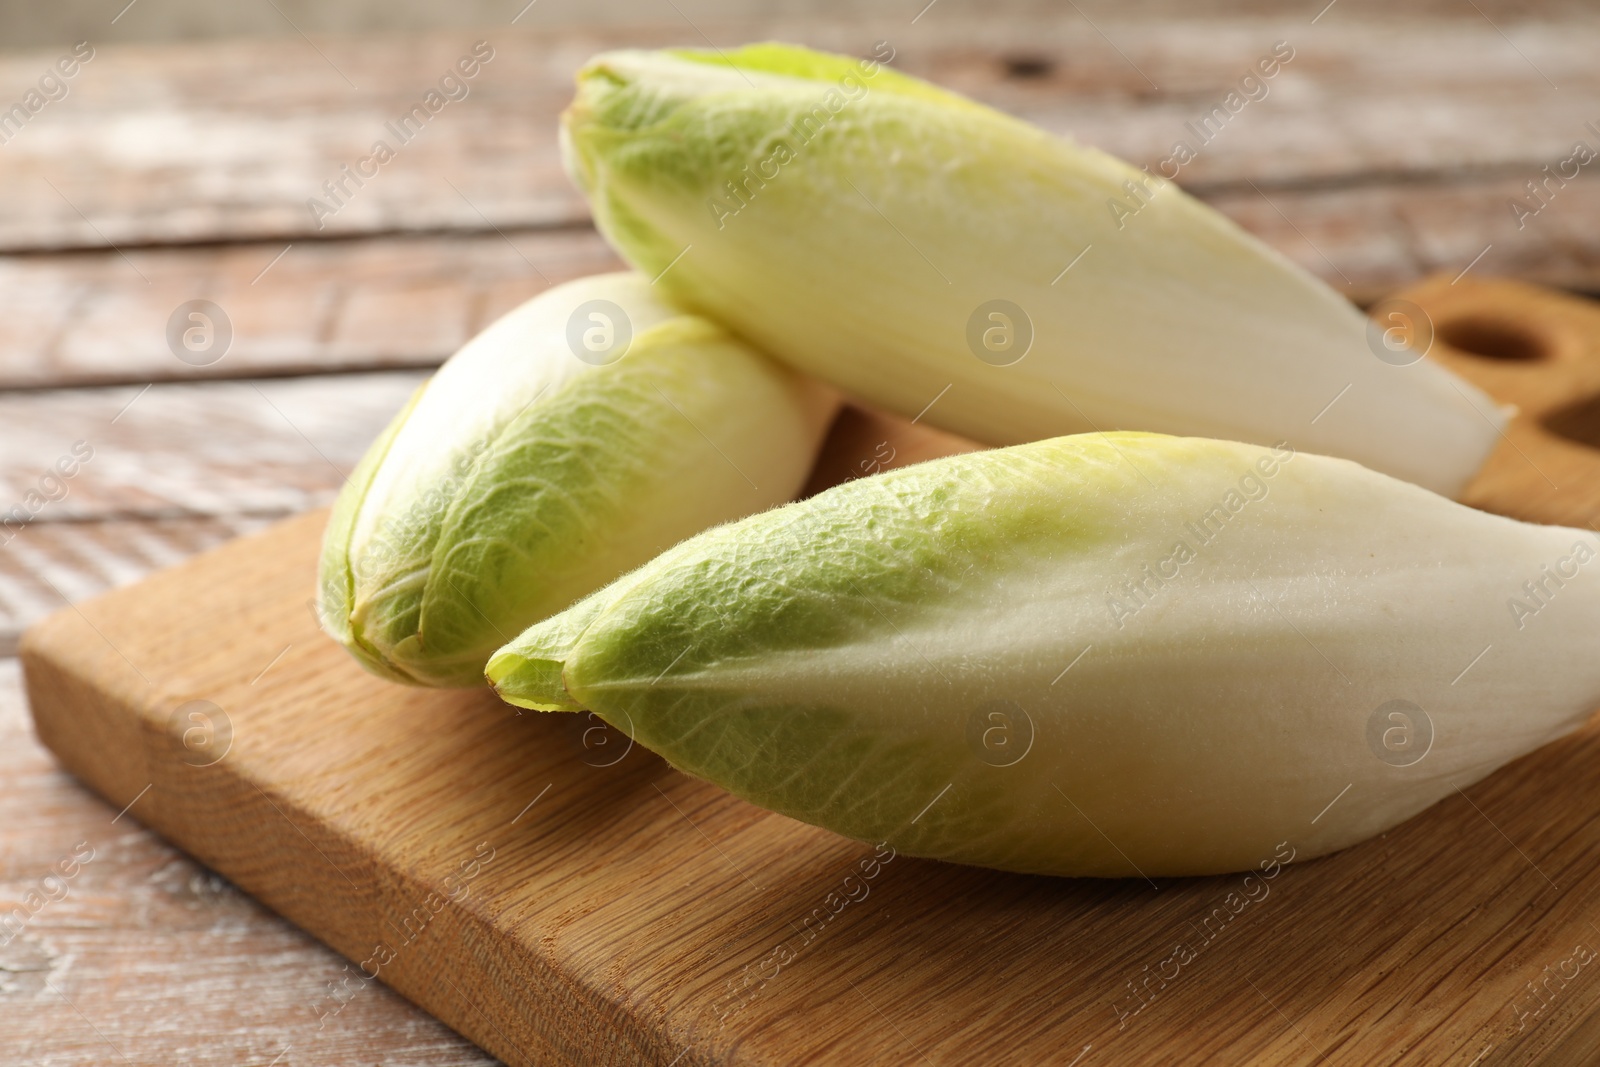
column 1540, row 352
column 166, row 961
column 558, row 895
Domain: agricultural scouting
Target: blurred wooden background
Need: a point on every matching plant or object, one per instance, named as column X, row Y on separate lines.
column 1390, row 147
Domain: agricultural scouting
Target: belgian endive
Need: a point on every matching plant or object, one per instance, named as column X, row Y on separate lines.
column 918, row 249
column 574, row 439
column 1094, row 655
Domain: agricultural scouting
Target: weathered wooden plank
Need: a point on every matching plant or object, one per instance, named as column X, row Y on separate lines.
column 161, row 144
column 219, row 980
column 1367, row 241
column 196, row 20
column 1361, row 176
column 102, row 316
column 89, row 317
column 206, row 449
column 102, row 486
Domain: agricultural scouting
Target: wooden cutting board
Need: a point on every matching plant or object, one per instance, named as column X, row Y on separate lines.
column 559, row 896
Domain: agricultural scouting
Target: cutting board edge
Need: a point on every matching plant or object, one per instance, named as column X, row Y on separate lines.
column 92, row 731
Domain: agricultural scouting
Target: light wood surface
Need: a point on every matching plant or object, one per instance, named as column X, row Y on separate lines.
column 559, row 896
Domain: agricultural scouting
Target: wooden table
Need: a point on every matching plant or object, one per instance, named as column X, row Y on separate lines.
column 1385, row 149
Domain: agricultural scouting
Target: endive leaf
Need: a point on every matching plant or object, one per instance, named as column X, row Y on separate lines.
column 1105, row 655
column 907, row 245
column 523, row 477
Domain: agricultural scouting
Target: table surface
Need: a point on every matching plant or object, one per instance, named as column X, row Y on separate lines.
column 1386, row 149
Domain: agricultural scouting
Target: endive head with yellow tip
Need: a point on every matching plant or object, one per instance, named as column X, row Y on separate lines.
column 574, row 439
column 908, row 244
column 1016, row 657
